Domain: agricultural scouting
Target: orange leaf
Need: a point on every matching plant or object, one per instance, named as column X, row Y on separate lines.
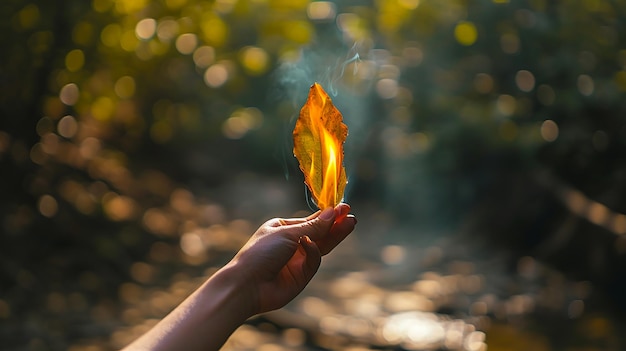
column 318, row 139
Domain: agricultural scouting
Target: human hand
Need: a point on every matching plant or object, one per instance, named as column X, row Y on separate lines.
column 274, row 265
column 283, row 255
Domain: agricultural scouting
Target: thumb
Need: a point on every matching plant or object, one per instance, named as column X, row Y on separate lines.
column 316, row 228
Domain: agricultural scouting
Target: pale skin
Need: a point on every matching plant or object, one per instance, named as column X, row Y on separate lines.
column 271, row 269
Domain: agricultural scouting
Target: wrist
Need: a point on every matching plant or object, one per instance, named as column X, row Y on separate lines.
column 230, row 288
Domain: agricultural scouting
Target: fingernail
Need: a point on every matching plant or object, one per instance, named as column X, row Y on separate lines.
column 342, row 211
column 353, row 217
column 327, row 214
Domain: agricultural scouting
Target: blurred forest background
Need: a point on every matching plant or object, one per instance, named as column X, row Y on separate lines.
column 142, row 142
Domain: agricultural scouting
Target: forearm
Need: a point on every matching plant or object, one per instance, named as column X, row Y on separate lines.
column 272, row 268
column 204, row 320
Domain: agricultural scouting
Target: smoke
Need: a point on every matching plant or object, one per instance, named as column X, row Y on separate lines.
column 315, row 64
column 339, row 70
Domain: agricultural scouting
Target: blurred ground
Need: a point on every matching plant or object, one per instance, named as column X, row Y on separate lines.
column 388, row 287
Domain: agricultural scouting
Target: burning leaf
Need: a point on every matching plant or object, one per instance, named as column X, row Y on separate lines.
column 318, row 139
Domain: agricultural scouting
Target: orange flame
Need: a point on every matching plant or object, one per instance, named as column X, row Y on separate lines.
column 329, row 184
column 319, row 135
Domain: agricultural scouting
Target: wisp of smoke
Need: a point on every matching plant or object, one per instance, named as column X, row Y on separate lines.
column 329, row 68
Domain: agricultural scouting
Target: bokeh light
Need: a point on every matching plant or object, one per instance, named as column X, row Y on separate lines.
column 393, row 254
column 102, row 108
column 119, row 208
column 216, row 75
column 146, row 28
column 387, row 88
column 241, row 121
column 204, row 56
column 48, row 206
column 549, row 130
column 69, row 94
column 525, row 80
column 186, row 43
column 254, row 60
column 128, row 40
column 28, row 16
column 214, row 30
column 74, row 60
column 167, row 29
column 67, row 126
column 466, row 33
column 506, row 104
column 111, row 34
column 125, row 87
column 321, row 10
column 191, row 243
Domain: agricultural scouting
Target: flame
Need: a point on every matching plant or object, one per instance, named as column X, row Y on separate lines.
column 318, row 145
column 330, row 159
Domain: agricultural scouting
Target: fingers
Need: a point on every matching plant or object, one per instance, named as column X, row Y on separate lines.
column 315, row 228
column 279, row 222
column 342, row 211
column 313, row 257
column 326, row 228
column 338, row 232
